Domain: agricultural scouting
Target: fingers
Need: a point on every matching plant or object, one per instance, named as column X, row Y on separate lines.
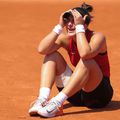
column 84, row 18
column 76, row 13
column 78, row 19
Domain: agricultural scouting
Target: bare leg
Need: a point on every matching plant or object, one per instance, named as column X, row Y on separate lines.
column 54, row 64
column 87, row 75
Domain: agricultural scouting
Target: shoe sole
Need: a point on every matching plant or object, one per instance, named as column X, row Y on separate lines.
column 59, row 113
column 33, row 113
column 45, row 116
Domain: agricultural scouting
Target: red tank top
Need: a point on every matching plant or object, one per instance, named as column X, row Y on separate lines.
column 101, row 59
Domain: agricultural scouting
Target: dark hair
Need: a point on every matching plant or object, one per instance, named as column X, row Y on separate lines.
column 84, row 9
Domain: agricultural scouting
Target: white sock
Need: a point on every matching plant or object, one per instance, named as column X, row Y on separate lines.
column 61, row 97
column 44, row 92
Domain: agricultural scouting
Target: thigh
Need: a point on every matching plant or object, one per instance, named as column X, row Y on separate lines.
column 53, row 65
column 95, row 75
column 99, row 97
column 57, row 59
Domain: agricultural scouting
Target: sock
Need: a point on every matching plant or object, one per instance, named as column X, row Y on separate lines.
column 44, row 92
column 61, row 97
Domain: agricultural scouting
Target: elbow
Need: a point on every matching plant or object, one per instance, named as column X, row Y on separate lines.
column 41, row 51
column 84, row 55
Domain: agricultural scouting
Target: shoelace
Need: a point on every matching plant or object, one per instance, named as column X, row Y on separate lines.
column 52, row 106
column 38, row 102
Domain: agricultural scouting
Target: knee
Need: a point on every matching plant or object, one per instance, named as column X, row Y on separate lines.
column 53, row 56
column 83, row 64
column 86, row 64
column 56, row 57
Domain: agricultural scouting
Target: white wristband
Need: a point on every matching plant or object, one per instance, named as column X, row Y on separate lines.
column 58, row 29
column 79, row 28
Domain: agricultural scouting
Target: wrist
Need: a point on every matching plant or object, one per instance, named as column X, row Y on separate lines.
column 61, row 24
column 80, row 28
column 58, row 29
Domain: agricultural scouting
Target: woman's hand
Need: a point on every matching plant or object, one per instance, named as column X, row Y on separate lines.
column 61, row 22
column 78, row 19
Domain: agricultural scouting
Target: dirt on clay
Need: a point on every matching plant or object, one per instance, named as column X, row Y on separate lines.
column 23, row 23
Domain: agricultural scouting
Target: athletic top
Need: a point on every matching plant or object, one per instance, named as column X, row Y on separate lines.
column 101, row 58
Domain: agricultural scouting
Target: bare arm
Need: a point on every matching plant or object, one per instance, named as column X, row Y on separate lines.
column 49, row 43
column 52, row 41
column 89, row 50
column 97, row 43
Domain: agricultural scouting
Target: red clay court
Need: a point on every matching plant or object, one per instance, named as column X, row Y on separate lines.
column 23, row 23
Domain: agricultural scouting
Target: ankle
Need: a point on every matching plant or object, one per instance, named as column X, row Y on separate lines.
column 44, row 92
column 61, row 97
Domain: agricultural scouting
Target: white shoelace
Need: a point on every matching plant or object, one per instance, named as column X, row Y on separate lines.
column 38, row 102
column 51, row 106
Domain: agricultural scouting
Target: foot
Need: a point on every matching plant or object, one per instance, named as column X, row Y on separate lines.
column 36, row 105
column 52, row 109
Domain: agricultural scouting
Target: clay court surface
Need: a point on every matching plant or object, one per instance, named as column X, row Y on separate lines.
column 23, row 23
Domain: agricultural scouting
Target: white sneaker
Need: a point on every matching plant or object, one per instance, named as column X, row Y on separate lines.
column 52, row 109
column 37, row 104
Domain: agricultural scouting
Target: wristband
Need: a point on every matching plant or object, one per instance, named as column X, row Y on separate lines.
column 79, row 28
column 58, row 29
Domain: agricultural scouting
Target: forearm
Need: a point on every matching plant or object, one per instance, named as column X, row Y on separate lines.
column 82, row 44
column 46, row 44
